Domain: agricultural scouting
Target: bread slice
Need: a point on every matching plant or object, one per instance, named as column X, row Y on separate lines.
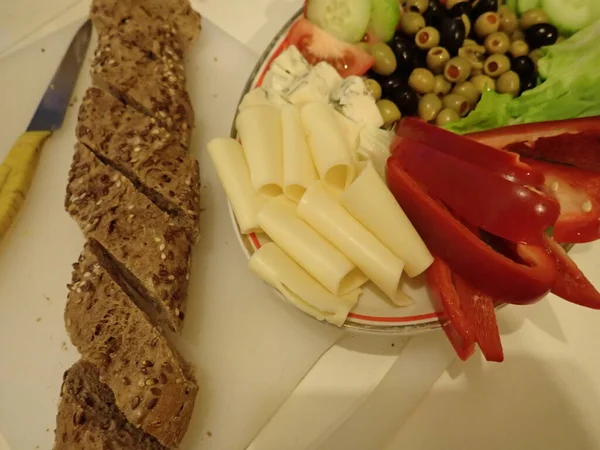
column 178, row 15
column 141, row 242
column 153, row 387
column 133, row 144
column 150, row 85
column 88, row 418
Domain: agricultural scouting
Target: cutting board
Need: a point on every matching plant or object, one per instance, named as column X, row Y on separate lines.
column 250, row 349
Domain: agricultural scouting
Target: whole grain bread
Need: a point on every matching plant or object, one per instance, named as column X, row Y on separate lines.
column 142, row 242
column 133, row 144
column 149, row 84
column 88, row 418
column 119, row 15
column 153, row 387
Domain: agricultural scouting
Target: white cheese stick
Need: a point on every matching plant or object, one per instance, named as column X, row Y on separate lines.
column 328, row 217
column 328, row 146
column 280, row 271
column 298, row 169
column 230, row 163
column 309, row 249
column 369, row 200
column 259, row 129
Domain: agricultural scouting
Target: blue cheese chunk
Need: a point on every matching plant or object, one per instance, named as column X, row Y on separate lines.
column 354, row 100
column 288, row 67
column 315, row 86
column 261, row 96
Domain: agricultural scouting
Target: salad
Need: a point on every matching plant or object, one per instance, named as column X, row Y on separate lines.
column 477, row 193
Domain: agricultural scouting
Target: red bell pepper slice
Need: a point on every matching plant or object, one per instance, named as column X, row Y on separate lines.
column 571, row 284
column 578, row 192
column 478, row 307
column 501, row 162
column 512, row 211
column 441, row 289
column 574, row 141
column 466, row 254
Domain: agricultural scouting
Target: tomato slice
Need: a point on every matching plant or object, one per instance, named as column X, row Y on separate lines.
column 317, row 45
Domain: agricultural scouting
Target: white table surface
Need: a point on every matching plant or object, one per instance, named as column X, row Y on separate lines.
column 545, row 395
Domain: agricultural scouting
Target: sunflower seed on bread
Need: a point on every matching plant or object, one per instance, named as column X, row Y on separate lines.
column 153, row 386
column 143, row 243
column 136, row 146
column 144, row 82
column 88, row 418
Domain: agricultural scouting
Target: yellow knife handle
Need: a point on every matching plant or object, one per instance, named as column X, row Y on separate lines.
column 16, row 174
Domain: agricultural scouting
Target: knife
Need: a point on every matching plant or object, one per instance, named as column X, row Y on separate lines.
column 18, row 168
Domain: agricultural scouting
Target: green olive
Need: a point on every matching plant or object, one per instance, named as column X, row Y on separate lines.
column 364, row 46
column 385, row 60
column 518, row 35
column 467, row 90
column 483, row 83
column 469, row 42
column 487, row 23
column 518, row 48
column 374, row 88
column 467, row 22
column 451, row 3
column 536, row 55
column 508, row 20
column 533, row 17
column 441, row 86
column 497, row 42
column 496, row 65
column 476, row 72
column 508, row 83
column 429, row 107
column 475, row 54
column 411, row 22
column 418, row 6
column 446, row 116
column 458, row 69
column 437, row 58
column 458, row 103
column 389, row 112
column 421, row 80
column 427, row 38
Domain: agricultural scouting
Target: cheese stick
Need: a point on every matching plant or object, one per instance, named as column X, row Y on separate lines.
column 310, row 250
column 277, row 269
column 328, row 146
column 328, row 217
column 298, row 168
column 369, row 200
column 230, row 163
column 259, row 129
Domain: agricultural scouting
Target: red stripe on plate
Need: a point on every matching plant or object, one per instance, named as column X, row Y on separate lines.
column 394, row 319
column 255, row 240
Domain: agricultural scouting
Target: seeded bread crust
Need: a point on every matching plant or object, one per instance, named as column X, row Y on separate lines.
column 120, row 14
column 88, row 418
column 144, row 152
column 150, row 85
column 141, row 241
column 153, row 387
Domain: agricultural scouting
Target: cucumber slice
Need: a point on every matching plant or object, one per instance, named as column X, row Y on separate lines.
column 345, row 19
column 570, row 16
column 526, row 5
column 385, row 15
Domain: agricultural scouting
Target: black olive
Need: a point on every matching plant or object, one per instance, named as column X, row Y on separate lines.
column 406, row 99
column 483, row 6
column 452, row 34
column 523, row 66
column 461, row 8
column 541, row 35
column 528, row 82
column 435, row 13
column 408, row 55
column 390, row 85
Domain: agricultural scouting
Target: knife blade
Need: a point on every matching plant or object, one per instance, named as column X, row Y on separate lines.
column 19, row 165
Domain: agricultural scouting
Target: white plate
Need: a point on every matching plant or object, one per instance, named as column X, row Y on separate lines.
column 373, row 313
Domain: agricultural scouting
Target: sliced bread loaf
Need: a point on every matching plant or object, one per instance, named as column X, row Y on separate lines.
column 133, row 144
column 153, row 387
column 178, row 15
column 140, row 240
column 88, row 418
column 145, row 82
